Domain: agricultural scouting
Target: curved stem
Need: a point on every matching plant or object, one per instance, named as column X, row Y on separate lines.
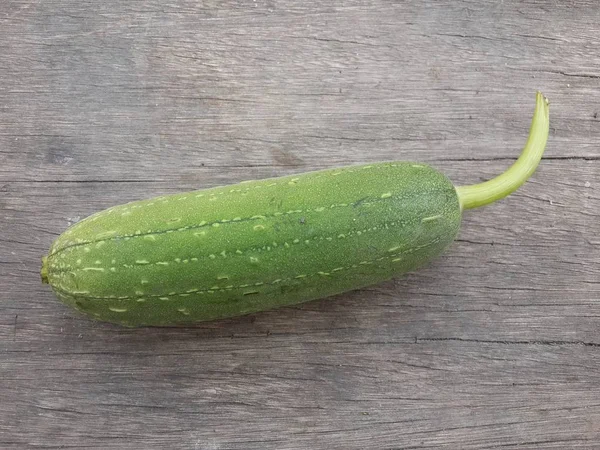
column 488, row 192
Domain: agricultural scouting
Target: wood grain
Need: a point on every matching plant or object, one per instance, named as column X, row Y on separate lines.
column 494, row 345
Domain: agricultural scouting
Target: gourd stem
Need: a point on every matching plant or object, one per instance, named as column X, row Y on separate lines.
column 481, row 194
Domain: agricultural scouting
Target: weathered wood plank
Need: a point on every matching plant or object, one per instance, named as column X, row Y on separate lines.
column 495, row 345
column 287, row 85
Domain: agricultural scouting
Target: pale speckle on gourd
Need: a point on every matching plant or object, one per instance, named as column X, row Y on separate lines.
column 431, row 218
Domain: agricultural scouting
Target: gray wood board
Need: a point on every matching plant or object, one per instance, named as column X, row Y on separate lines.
column 494, row 345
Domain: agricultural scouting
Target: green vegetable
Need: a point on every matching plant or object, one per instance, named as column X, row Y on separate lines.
column 258, row 245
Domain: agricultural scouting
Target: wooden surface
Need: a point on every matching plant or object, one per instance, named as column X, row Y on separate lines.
column 494, row 345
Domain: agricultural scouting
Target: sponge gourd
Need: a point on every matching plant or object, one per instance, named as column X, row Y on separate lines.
column 257, row 245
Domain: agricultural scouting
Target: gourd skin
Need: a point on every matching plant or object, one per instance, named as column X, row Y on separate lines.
column 253, row 246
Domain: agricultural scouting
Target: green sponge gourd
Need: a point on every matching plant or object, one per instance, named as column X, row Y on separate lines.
column 257, row 245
